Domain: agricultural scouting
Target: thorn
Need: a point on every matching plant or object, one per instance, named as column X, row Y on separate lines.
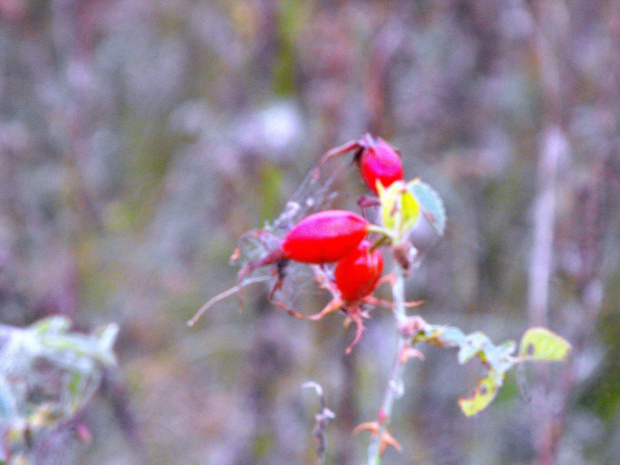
column 236, row 254
column 83, row 434
column 388, row 440
column 372, row 426
column 409, row 352
column 382, row 416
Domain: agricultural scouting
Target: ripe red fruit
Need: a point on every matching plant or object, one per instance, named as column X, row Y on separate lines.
column 357, row 274
column 377, row 160
column 324, row 237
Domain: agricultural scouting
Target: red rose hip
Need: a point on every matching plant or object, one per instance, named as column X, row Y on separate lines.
column 357, row 274
column 324, row 237
column 377, row 160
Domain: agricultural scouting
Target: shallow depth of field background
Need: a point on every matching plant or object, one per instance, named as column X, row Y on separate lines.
column 139, row 139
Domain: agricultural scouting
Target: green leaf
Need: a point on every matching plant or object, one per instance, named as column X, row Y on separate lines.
column 399, row 209
column 430, row 203
column 536, row 344
column 542, row 344
column 483, row 394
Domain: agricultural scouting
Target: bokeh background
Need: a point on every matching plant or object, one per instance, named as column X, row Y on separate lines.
column 140, row 138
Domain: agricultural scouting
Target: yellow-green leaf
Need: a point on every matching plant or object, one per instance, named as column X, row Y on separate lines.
column 483, row 395
column 542, row 344
column 399, row 209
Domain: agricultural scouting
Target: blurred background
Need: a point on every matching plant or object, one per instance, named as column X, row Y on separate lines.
column 139, row 139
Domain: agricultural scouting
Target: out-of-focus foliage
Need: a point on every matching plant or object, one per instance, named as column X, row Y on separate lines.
column 47, row 375
column 140, row 139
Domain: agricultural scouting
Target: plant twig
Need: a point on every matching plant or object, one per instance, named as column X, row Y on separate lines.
column 322, row 421
column 222, row 295
column 394, row 388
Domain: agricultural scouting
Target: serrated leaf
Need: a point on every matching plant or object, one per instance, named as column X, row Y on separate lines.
column 399, row 209
column 483, row 394
column 430, row 203
column 543, row 344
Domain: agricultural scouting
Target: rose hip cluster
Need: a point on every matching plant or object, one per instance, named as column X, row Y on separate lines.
column 339, row 236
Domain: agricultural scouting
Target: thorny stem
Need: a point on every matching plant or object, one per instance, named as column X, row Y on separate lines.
column 394, row 388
